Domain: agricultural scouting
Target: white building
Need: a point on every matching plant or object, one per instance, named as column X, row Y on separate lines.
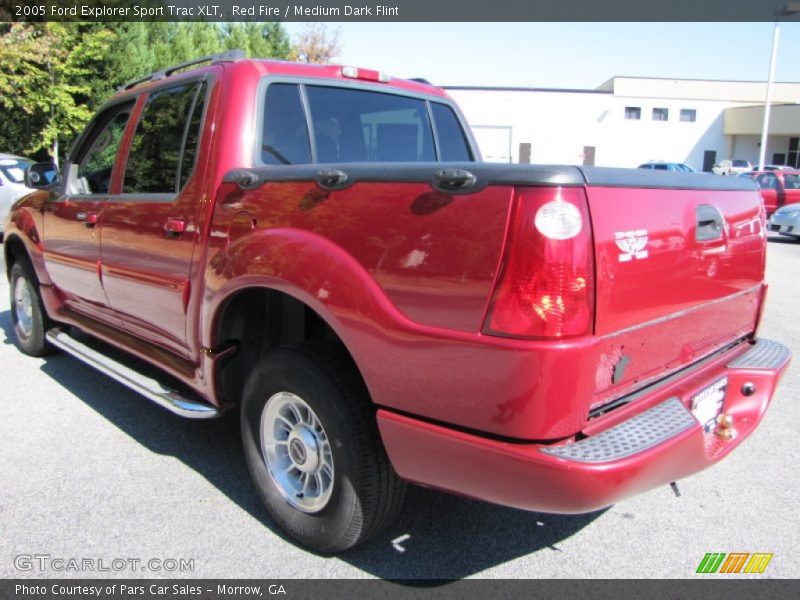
column 627, row 121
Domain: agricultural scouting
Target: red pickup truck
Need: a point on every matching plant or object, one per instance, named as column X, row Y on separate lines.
column 322, row 247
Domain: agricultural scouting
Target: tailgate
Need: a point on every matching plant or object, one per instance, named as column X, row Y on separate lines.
column 679, row 271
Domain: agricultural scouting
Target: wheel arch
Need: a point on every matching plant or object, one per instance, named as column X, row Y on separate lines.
column 256, row 318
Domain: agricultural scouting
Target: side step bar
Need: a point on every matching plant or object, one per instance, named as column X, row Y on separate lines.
column 146, row 386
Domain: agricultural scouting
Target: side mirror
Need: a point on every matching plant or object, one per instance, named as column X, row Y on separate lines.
column 41, row 175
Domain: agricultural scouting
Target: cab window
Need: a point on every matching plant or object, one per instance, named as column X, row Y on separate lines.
column 163, row 149
column 96, row 159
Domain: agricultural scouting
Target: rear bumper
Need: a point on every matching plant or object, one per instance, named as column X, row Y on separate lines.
column 651, row 442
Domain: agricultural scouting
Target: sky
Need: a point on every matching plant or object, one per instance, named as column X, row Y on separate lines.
column 567, row 55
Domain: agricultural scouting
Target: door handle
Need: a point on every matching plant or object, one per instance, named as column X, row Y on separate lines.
column 174, row 227
column 89, row 219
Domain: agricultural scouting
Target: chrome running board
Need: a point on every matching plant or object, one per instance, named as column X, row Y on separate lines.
column 146, row 386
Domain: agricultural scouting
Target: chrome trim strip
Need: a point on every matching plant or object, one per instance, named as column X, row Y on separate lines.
column 146, row 386
column 680, row 313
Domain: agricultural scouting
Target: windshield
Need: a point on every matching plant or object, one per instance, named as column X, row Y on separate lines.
column 14, row 168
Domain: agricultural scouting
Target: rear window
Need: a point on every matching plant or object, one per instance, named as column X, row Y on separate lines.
column 354, row 125
column 453, row 145
column 359, row 126
column 285, row 135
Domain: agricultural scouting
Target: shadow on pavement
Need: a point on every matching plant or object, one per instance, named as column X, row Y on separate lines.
column 450, row 537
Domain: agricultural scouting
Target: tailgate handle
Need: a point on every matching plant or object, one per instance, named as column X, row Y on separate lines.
column 710, row 223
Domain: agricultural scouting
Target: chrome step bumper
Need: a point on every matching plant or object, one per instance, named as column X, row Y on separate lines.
column 664, row 420
column 765, row 354
column 146, row 386
column 635, row 435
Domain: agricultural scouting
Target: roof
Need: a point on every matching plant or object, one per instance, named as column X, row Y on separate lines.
column 259, row 67
column 700, row 89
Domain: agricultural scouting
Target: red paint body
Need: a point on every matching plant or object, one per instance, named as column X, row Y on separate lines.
column 776, row 189
column 405, row 276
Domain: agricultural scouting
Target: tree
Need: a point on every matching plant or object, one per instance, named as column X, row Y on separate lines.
column 43, row 69
column 316, row 44
column 54, row 76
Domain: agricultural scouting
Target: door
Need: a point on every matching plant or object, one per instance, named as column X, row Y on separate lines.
column 709, row 160
column 525, row 153
column 789, row 188
column 588, row 156
column 148, row 229
column 770, row 191
column 71, row 234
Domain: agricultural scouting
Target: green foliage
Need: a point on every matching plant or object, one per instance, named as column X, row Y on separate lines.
column 54, row 76
column 43, row 77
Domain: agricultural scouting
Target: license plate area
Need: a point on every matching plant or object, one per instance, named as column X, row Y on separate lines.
column 707, row 405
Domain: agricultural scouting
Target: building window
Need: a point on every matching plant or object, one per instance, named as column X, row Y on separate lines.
column 660, row 114
column 794, row 153
column 633, row 112
column 688, row 115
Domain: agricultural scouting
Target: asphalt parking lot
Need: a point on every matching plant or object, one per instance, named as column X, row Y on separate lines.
column 92, row 470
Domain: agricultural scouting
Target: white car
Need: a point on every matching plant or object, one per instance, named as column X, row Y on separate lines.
column 731, row 167
column 12, row 183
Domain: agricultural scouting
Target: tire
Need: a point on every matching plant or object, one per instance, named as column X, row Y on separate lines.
column 27, row 311
column 350, row 491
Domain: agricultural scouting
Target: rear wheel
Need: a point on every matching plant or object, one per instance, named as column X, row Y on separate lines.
column 27, row 312
column 313, row 448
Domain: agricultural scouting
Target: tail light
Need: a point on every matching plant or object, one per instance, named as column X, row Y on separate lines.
column 366, row 74
column 546, row 284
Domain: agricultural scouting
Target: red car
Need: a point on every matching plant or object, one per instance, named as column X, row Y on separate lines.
column 322, row 247
column 778, row 188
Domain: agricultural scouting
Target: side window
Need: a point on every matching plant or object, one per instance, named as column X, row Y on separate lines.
column 191, row 144
column 791, row 182
column 156, row 156
column 284, row 138
column 767, row 181
column 453, row 144
column 96, row 162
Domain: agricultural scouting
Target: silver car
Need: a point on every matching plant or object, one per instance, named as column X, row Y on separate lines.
column 786, row 220
column 12, row 183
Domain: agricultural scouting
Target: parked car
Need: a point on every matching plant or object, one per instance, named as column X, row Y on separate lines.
column 322, row 247
column 12, row 182
column 659, row 165
column 731, row 167
column 786, row 220
column 773, row 168
column 778, row 188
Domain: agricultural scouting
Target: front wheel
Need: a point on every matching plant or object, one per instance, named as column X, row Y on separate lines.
column 27, row 312
column 313, row 448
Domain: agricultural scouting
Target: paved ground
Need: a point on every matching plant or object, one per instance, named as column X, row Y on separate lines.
column 91, row 470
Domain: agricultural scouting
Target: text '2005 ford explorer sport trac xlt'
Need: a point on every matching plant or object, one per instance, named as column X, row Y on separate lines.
column 322, row 247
